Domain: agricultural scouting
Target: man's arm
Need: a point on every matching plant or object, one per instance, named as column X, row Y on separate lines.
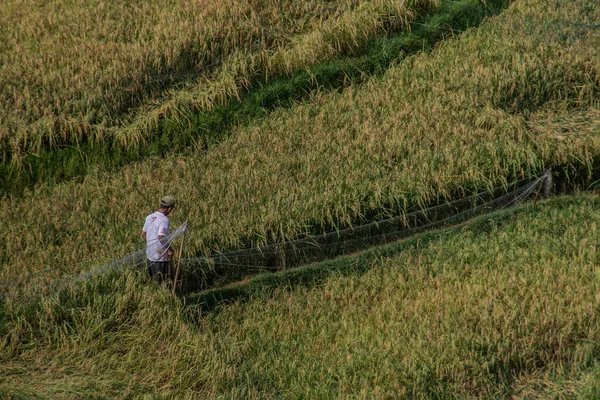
column 169, row 249
column 144, row 235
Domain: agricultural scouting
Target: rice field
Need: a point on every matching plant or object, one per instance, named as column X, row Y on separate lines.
column 505, row 307
column 78, row 71
column 206, row 126
column 436, row 127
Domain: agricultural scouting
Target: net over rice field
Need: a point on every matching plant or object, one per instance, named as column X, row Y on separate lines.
column 498, row 103
column 507, row 307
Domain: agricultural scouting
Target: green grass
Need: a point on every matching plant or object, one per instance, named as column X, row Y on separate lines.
column 503, row 306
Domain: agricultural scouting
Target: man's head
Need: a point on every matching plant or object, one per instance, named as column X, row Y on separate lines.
column 166, row 204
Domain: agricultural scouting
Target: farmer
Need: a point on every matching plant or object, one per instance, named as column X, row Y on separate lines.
column 155, row 231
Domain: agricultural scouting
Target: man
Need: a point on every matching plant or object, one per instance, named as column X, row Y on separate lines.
column 155, row 231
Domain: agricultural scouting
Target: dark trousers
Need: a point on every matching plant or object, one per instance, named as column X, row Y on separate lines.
column 160, row 270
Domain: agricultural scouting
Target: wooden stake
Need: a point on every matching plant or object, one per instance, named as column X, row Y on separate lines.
column 179, row 260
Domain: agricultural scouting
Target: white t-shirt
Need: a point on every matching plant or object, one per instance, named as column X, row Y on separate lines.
column 157, row 224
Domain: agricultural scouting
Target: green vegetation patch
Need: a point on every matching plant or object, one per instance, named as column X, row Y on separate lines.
column 504, row 306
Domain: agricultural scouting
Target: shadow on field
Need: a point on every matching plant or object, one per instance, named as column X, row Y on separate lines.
column 566, row 181
column 263, row 286
column 220, row 269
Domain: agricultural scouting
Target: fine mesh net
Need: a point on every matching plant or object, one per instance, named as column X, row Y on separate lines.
column 136, row 259
column 199, row 271
column 319, row 247
column 44, row 279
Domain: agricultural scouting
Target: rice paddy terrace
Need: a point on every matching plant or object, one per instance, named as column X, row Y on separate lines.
column 273, row 121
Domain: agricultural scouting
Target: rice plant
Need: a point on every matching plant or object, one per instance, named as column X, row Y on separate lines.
column 77, row 71
column 505, row 308
column 435, row 127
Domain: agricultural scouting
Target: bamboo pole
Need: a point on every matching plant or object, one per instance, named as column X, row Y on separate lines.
column 179, row 260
